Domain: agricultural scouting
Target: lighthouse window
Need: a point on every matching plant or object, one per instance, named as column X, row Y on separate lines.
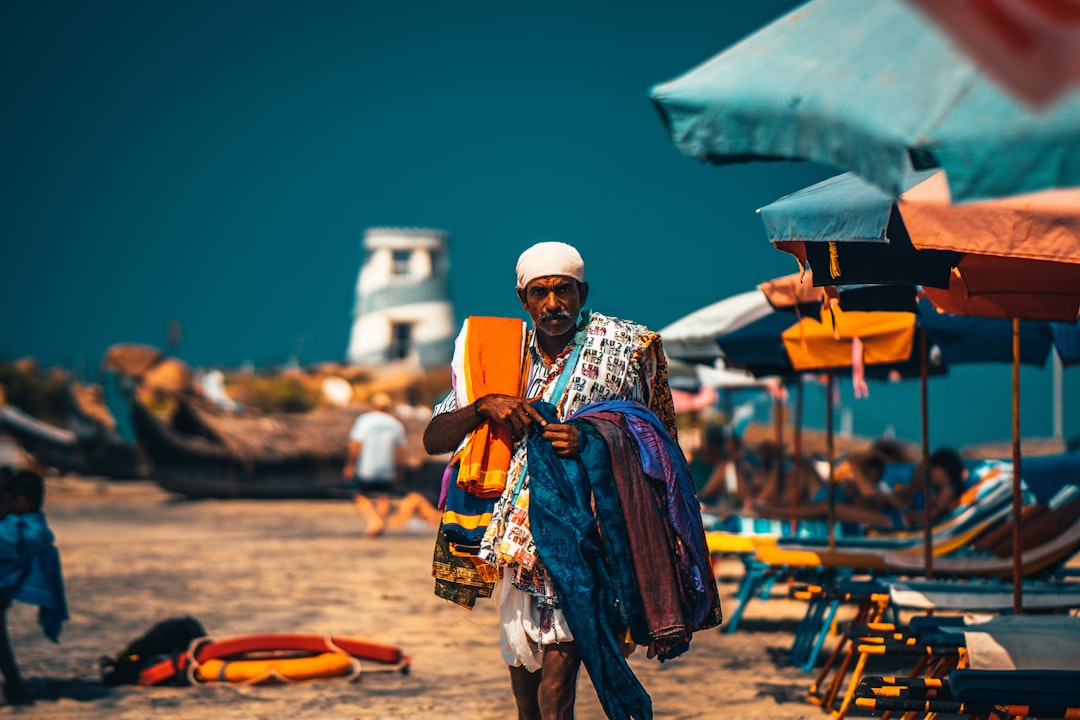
column 400, row 340
column 399, row 262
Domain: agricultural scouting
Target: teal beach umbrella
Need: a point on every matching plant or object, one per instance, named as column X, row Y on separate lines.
column 873, row 87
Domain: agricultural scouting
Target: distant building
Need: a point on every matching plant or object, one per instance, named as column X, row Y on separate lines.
column 403, row 311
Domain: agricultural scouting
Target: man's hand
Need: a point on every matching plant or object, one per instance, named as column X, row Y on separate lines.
column 662, row 646
column 564, row 439
column 516, row 414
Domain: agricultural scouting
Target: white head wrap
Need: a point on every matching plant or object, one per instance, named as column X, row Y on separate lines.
column 549, row 258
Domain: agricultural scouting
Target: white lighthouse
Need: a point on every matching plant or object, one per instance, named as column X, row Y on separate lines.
column 403, row 311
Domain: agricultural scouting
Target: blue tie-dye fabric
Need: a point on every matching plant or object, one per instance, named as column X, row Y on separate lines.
column 568, row 543
column 663, row 461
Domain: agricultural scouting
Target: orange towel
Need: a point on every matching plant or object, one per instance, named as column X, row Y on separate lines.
column 493, row 353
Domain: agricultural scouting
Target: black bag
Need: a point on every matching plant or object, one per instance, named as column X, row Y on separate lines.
column 164, row 644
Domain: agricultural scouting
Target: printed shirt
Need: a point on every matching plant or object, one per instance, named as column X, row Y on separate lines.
column 608, row 359
column 539, row 378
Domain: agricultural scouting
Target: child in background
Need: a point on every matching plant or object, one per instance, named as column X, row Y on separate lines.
column 29, row 565
column 29, row 561
column 22, row 492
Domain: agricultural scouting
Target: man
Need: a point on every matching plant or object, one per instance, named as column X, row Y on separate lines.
column 567, row 365
column 376, row 464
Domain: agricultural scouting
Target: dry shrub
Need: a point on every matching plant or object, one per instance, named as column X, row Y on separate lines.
column 40, row 394
column 273, row 393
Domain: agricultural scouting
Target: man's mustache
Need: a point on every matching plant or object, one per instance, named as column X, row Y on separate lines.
column 555, row 315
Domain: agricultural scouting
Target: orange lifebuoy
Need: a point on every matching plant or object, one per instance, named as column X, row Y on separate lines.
column 280, row 657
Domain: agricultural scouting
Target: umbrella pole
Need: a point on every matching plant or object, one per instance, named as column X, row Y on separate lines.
column 778, row 421
column 797, row 452
column 829, row 454
column 925, row 417
column 1018, row 596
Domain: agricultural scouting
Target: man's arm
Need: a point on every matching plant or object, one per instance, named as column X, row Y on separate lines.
column 446, row 431
column 350, row 461
column 655, row 379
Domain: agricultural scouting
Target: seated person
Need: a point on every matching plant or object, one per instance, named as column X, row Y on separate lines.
column 375, row 468
column 804, row 483
column 712, row 469
column 892, row 449
column 757, row 470
column 863, row 499
column 860, row 497
column 867, row 491
column 946, row 483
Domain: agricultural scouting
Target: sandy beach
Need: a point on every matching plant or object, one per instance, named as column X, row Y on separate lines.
column 134, row 555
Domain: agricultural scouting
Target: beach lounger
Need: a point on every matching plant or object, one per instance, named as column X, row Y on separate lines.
column 982, row 596
column 1045, row 558
column 942, row 643
column 979, row 694
column 903, row 554
column 962, row 525
column 872, row 604
column 990, row 489
column 979, row 593
column 1013, row 666
column 815, row 563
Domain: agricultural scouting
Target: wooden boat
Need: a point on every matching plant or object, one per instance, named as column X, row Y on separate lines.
column 201, row 451
column 48, row 444
column 88, row 447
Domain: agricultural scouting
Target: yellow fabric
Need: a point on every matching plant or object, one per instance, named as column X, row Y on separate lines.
column 726, row 542
column 493, row 352
column 469, row 522
column 887, row 337
column 848, row 558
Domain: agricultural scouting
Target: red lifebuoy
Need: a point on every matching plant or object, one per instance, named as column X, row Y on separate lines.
column 273, row 656
column 278, row 648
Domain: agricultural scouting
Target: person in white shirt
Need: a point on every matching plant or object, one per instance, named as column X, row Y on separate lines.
column 376, row 467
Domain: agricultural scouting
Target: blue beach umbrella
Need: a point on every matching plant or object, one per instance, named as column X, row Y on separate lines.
column 850, row 233
column 1067, row 341
column 873, row 87
column 966, row 339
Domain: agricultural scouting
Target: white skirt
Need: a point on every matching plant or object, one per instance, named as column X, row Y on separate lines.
column 522, row 642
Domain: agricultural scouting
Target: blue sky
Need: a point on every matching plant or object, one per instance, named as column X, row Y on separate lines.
column 216, row 163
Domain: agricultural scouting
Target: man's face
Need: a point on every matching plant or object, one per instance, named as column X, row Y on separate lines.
column 553, row 302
